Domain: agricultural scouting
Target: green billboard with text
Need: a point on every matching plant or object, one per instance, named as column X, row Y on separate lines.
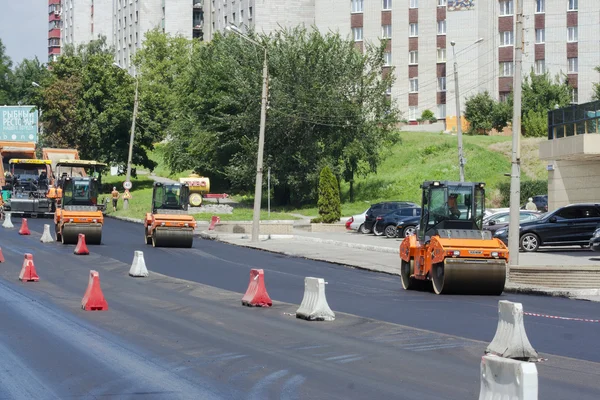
column 19, row 123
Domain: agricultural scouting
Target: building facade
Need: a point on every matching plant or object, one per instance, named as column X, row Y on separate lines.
column 54, row 29
column 86, row 20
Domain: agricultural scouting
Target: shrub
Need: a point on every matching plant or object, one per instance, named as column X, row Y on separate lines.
column 330, row 209
column 427, row 115
column 535, row 124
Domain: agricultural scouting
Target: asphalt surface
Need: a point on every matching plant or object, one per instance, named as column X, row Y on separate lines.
column 182, row 333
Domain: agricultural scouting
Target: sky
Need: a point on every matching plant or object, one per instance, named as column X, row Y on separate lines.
column 24, row 29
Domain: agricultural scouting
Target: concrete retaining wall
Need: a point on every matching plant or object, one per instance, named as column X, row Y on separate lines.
column 277, row 227
column 576, row 277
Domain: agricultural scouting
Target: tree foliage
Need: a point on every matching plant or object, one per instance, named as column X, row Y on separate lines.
column 330, row 209
column 6, row 94
column 24, row 75
column 484, row 113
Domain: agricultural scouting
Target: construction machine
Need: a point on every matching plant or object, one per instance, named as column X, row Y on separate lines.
column 78, row 211
column 26, row 188
column 168, row 224
column 451, row 251
column 76, row 168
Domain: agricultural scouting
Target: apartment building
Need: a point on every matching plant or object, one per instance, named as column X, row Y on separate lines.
column 86, row 20
column 54, row 26
column 133, row 18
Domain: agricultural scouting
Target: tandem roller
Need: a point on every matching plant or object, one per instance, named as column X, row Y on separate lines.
column 172, row 237
column 71, row 231
column 469, row 276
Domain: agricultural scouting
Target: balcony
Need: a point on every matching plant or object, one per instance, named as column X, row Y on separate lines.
column 54, row 33
column 198, row 4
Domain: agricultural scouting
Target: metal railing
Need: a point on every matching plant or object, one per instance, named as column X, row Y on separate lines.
column 577, row 119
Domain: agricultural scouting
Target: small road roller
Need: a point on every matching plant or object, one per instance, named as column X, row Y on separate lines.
column 451, row 251
column 169, row 224
column 78, row 211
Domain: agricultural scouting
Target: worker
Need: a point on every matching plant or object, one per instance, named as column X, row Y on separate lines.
column 530, row 205
column 115, row 197
column 171, row 198
column 453, row 211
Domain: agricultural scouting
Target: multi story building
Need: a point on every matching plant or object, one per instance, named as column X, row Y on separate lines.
column 86, row 20
column 54, row 26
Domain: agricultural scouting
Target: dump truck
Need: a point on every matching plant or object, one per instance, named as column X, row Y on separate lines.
column 25, row 192
column 76, row 168
column 78, row 211
column 451, row 251
column 168, row 223
column 10, row 150
column 55, row 155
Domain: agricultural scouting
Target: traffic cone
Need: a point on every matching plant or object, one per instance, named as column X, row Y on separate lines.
column 24, row 230
column 81, row 248
column 7, row 221
column 46, row 236
column 1, row 256
column 256, row 295
column 28, row 273
column 93, row 299
column 138, row 266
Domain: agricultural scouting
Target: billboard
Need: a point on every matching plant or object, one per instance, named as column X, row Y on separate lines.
column 461, row 5
column 19, row 123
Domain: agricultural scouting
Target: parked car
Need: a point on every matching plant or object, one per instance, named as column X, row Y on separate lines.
column 595, row 240
column 381, row 209
column 356, row 222
column 540, row 201
column 502, row 219
column 570, row 225
column 408, row 226
column 387, row 224
column 491, row 211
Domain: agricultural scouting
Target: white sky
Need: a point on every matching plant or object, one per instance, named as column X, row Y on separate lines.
column 24, row 29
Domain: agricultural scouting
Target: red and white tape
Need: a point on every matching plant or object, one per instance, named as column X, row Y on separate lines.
column 563, row 318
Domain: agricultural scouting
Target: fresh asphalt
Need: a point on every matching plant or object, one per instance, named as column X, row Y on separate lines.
column 173, row 338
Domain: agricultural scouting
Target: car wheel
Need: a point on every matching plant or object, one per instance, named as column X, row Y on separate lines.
column 390, row 231
column 376, row 231
column 363, row 229
column 530, row 242
column 409, row 230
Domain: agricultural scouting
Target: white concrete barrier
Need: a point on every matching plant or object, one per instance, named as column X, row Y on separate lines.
column 7, row 222
column 314, row 305
column 506, row 379
column 46, row 236
column 511, row 339
column 138, row 266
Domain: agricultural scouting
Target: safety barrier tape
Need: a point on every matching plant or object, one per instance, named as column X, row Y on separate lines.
column 563, row 318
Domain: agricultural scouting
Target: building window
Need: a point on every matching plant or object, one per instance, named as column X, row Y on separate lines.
column 441, row 27
column 441, row 111
column 506, row 38
column 573, row 6
column 441, row 83
column 387, row 4
column 441, row 55
column 574, row 96
column 233, row 17
column 540, row 67
column 387, row 56
column 386, row 31
column 357, row 6
column 414, row 4
column 413, row 112
column 414, row 85
column 413, row 57
column 573, row 64
column 414, row 30
column 506, row 7
column 442, row 3
column 572, row 34
column 358, row 34
column 540, row 6
column 250, row 12
column 540, row 35
column 506, row 68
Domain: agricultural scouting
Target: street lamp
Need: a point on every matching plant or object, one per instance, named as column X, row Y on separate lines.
column 261, row 135
column 461, row 159
column 127, row 184
column 37, row 85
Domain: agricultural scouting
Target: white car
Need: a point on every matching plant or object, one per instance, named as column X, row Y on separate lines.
column 355, row 222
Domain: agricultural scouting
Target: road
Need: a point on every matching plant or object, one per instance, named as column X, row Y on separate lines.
column 182, row 333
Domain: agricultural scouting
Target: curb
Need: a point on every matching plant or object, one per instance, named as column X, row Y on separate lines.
column 128, row 219
column 544, row 291
column 380, row 249
column 225, row 236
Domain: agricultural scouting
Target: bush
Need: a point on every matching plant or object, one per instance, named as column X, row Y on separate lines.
column 528, row 189
column 535, row 124
column 330, row 209
column 427, row 115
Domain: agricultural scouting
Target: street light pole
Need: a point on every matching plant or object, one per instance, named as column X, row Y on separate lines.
column 35, row 84
column 261, row 137
column 461, row 160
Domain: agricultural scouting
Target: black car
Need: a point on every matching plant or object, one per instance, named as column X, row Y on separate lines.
column 387, row 224
column 570, row 225
column 383, row 208
column 541, row 202
column 502, row 219
column 595, row 240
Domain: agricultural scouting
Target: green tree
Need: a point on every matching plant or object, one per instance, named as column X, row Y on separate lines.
column 535, row 123
column 24, row 74
column 6, row 89
column 479, row 111
column 329, row 205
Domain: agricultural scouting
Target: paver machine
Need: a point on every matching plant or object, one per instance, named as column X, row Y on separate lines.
column 25, row 191
column 78, row 211
column 451, row 251
column 168, row 224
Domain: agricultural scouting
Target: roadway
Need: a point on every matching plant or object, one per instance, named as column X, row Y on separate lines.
column 182, row 333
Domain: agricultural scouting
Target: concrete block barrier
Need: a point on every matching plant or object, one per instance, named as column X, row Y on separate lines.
column 7, row 221
column 314, row 305
column 138, row 266
column 511, row 339
column 506, row 379
column 46, row 236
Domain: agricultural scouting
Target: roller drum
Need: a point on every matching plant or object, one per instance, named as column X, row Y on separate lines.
column 469, row 276
column 92, row 232
column 172, row 237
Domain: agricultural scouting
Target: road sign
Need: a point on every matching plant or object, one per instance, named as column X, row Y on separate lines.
column 127, row 185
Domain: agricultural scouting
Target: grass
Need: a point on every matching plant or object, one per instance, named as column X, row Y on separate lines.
column 162, row 169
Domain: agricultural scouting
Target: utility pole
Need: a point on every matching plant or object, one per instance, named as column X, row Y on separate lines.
column 131, row 139
column 515, row 176
column 461, row 159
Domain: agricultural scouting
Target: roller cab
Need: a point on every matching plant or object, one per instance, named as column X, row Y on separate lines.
column 451, row 253
column 78, row 211
column 168, row 224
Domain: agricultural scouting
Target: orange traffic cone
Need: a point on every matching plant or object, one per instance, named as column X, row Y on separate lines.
column 1, row 256
column 28, row 273
column 93, row 299
column 81, row 248
column 24, row 228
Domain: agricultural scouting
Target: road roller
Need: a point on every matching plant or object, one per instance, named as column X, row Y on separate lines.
column 450, row 251
column 168, row 224
column 78, row 211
